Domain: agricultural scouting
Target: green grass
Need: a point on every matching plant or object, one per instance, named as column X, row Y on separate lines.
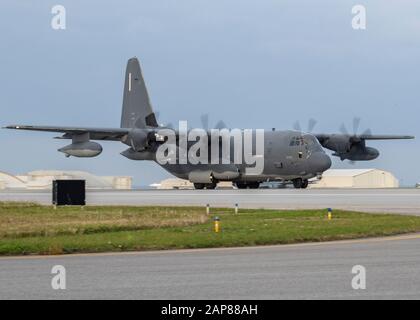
column 27, row 228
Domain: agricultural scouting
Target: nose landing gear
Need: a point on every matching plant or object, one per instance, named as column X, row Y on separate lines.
column 300, row 183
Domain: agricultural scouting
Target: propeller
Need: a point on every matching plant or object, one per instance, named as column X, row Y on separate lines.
column 343, row 129
column 168, row 125
column 356, row 126
column 139, row 139
column 310, row 126
column 205, row 123
column 220, row 125
column 367, row 132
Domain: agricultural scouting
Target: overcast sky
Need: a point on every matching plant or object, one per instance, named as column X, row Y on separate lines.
column 254, row 64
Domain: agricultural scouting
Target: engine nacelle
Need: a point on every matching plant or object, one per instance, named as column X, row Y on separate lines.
column 138, row 139
column 338, row 143
column 345, row 148
column 364, row 154
column 86, row 149
column 142, row 155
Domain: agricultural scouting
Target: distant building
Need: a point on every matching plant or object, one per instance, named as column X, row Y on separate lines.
column 42, row 179
column 10, row 181
column 174, row 183
column 356, row 178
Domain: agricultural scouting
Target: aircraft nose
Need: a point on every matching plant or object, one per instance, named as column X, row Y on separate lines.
column 320, row 162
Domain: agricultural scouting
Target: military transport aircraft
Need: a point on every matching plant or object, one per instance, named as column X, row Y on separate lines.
column 288, row 156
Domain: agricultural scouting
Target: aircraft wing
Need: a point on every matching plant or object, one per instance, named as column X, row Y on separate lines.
column 353, row 147
column 114, row 134
column 381, row 137
column 359, row 137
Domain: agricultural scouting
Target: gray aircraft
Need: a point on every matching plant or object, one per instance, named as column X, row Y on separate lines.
column 289, row 156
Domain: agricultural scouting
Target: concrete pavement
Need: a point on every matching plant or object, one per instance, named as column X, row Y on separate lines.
column 303, row 271
column 371, row 200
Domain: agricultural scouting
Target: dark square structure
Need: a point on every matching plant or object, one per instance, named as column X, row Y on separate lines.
column 69, row 192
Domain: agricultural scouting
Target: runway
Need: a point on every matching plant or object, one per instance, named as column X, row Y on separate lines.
column 372, row 200
column 303, row 271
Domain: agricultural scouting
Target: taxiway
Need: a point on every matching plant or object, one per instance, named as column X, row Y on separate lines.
column 371, row 200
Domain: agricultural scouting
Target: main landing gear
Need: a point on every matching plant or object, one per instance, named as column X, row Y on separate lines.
column 208, row 186
column 246, row 185
column 300, row 183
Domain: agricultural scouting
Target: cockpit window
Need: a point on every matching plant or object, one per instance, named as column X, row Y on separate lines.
column 296, row 141
column 307, row 140
column 312, row 142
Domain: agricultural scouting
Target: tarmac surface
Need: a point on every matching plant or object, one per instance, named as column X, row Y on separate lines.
column 371, row 200
column 302, row 271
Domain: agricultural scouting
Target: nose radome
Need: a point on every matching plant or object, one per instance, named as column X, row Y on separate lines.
column 320, row 162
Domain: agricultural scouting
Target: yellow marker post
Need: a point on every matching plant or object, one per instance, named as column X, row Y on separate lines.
column 208, row 209
column 216, row 224
column 329, row 213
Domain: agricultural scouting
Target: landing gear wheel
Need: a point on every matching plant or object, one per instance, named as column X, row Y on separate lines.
column 300, row 183
column 247, row 185
column 211, row 186
column 297, row 183
column 240, row 185
column 254, row 185
column 199, row 186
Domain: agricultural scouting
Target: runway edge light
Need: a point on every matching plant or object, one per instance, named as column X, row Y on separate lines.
column 329, row 213
column 216, row 224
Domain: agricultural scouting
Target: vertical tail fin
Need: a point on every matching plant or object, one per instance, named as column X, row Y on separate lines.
column 136, row 110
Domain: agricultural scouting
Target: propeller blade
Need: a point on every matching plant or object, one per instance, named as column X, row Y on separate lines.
column 133, row 146
column 220, row 125
column 343, row 129
column 367, row 132
column 311, row 125
column 297, row 126
column 356, row 124
column 205, row 121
